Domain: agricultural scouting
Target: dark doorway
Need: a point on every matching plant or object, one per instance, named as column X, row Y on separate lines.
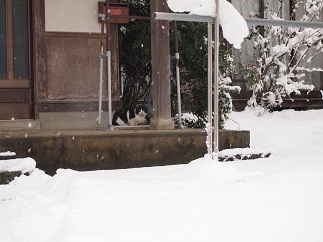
column 16, row 85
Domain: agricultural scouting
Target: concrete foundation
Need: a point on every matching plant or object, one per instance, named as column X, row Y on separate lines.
column 24, row 124
column 95, row 150
column 70, row 120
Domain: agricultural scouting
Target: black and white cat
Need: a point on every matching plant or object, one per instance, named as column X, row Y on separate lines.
column 130, row 116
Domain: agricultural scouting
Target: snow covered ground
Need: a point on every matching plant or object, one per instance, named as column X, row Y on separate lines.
column 270, row 199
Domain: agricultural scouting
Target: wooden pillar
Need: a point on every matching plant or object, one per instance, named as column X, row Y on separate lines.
column 161, row 87
column 39, row 54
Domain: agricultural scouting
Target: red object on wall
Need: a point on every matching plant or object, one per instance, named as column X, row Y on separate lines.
column 119, row 12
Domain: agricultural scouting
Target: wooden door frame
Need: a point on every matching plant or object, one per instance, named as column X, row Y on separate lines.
column 11, row 82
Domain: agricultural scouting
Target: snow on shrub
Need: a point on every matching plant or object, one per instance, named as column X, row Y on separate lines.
column 281, row 55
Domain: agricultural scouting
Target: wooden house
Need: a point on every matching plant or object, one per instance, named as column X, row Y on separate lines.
column 49, row 63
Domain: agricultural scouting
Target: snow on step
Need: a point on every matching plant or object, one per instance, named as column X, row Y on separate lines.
column 7, row 155
column 19, row 164
column 11, row 168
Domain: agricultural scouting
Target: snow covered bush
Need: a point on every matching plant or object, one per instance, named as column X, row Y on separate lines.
column 225, row 88
column 193, row 50
column 282, row 53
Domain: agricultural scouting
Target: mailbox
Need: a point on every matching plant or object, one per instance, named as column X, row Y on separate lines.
column 119, row 12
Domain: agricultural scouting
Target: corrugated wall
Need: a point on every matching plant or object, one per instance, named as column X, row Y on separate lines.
column 315, row 78
column 245, row 8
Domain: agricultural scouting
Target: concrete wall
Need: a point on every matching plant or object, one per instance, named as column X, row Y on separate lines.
column 95, row 150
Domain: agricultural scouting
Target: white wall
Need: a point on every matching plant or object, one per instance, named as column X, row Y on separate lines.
column 72, row 16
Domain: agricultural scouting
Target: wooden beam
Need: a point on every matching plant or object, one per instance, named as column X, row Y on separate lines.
column 161, row 87
column 39, row 58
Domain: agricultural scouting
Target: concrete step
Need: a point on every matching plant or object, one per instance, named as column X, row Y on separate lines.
column 85, row 150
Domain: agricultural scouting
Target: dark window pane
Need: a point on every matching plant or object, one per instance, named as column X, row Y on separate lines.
column 20, row 39
column 3, row 45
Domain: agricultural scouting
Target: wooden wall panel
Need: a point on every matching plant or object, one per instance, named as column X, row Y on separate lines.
column 73, row 68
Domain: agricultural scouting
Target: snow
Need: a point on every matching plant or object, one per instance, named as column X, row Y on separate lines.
column 24, row 164
column 269, row 199
column 7, row 153
column 234, row 26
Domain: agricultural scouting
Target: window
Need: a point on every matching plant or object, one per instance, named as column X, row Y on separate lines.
column 20, row 39
column 3, row 42
column 14, row 39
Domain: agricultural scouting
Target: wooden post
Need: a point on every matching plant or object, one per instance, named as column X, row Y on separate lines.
column 160, row 58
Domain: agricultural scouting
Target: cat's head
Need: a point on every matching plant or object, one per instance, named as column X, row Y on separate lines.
column 141, row 111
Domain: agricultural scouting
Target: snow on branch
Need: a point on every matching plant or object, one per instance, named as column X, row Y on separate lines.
column 281, row 54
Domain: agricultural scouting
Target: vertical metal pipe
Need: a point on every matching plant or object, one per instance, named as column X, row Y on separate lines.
column 102, row 16
column 109, row 90
column 178, row 81
column 216, row 82
column 210, row 90
column 100, row 91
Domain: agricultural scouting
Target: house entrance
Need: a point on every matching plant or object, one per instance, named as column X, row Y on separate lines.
column 16, row 92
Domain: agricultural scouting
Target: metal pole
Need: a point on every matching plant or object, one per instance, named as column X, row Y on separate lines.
column 99, row 121
column 178, row 82
column 182, row 17
column 108, row 46
column 216, row 82
column 250, row 21
column 285, row 23
column 209, row 129
column 109, row 90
